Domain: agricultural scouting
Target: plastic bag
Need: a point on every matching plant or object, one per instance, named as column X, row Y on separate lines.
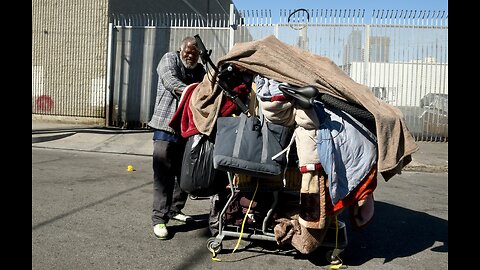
column 198, row 177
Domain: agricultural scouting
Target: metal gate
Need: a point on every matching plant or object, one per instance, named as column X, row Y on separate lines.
column 137, row 45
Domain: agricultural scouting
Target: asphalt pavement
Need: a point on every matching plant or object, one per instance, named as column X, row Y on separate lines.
column 90, row 212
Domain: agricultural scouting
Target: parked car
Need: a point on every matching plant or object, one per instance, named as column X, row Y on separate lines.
column 437, row 101
column 434, row 117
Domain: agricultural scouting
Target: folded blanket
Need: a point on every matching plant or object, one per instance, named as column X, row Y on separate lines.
column 305, row 240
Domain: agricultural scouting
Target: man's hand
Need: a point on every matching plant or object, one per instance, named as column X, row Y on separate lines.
column 177, row 94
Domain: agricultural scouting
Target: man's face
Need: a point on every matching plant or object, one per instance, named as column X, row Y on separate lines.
column 189, row 56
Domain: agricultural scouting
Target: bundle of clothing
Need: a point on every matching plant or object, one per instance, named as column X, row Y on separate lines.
column 274, row 59
column 338, row 157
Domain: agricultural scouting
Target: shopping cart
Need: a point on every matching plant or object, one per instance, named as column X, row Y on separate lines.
column 258, row 224
column 275, row 195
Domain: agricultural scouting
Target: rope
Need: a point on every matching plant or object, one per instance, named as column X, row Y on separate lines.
column 245, row 218
column 214, row 255
column 340, row 263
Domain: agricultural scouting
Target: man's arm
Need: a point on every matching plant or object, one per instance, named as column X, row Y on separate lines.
column 169, row 73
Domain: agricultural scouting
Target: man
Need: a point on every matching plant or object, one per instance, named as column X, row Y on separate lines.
column 175, row 71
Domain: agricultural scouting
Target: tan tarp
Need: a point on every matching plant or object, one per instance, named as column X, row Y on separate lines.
column 276, row 60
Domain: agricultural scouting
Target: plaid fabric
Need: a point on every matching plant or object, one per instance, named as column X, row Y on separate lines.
column 172, row 75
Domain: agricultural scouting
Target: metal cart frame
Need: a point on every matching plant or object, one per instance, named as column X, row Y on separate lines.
column 214, row 244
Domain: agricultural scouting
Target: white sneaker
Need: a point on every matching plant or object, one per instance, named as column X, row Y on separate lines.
column 160, row 231
column 182, row 217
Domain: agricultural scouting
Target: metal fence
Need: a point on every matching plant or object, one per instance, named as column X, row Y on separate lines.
column 138, row 43
column 108, row 70
column 401, row 55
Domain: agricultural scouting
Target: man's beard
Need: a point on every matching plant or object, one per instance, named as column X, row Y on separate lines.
column 188, row 66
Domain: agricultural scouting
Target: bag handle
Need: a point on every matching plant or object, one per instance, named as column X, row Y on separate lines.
column 264, row 140
column 238, row 138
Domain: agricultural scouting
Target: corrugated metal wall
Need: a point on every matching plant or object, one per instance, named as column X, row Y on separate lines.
column 139, row 42
column 69, row 42
column 401, row 55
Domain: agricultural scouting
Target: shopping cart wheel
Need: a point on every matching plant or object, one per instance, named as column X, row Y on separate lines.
column 192, row 197
column 332, row 256
column 214, row 245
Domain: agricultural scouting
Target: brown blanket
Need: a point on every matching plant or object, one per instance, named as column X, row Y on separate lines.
column 276, row 60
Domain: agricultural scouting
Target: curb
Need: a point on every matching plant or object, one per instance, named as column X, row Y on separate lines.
column 117, row 145
column 46, row 138
column 425, row 168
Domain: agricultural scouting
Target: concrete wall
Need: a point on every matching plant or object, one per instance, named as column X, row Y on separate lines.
column 405, row 83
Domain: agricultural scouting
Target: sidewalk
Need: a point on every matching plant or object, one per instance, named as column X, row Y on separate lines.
column 431, row 157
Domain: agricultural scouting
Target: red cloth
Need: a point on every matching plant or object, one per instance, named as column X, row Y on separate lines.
column 228, row 105
column 360, row 192
column 304, row 169
column 182, row 120
column 278, row 98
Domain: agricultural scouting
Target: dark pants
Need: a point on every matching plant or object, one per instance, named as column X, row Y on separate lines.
column 168, row 198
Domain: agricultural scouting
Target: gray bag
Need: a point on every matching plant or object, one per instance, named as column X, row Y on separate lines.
column 246, row 145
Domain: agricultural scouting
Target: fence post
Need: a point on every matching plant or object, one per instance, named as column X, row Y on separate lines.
column 366, row 56
column 108, row 76
column 232, row 27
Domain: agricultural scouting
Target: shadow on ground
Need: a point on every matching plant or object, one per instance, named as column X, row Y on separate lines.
column 394, row 232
